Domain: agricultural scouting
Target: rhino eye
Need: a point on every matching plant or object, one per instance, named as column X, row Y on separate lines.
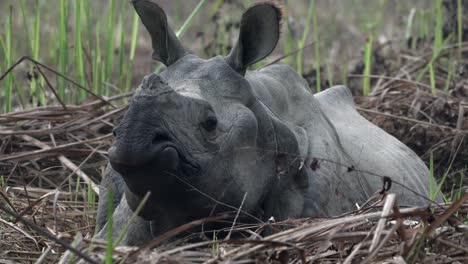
column 210, row 124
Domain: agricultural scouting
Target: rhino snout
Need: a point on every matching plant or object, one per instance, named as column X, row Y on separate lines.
column 160, row 155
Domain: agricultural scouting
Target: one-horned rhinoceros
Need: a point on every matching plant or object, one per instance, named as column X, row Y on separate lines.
column 206, row 136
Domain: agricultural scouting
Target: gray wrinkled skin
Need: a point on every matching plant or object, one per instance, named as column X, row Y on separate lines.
column 288, row 152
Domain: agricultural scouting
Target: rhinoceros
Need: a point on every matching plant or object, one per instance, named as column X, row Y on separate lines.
column 208, row 135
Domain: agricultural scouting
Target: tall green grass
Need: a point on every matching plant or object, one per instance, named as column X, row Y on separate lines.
column 33, row 38
column 97, row 61
column 110, row 43
column 303, row 39
column 439, row 44
column 180, row 33
column 63, row 47
column 316, row 47
column 459, row 27
column 79, row 49
column 82, row 48
column 7, row 50
column 109, row 238
column 289, row 44
column 132, row 51
column 367, row 65
column 121, row 75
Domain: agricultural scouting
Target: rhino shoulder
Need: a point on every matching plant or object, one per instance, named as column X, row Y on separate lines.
column 336, row 98
column 286, row 75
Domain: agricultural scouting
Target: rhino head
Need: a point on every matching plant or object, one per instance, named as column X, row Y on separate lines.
column 195, row 136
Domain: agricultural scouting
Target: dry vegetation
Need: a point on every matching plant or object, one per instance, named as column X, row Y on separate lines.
column 52, row 156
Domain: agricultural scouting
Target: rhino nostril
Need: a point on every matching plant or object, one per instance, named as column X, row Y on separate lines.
column 160, row 138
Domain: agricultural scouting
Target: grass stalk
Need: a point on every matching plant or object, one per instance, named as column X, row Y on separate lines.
column 25, row 23
column 431, row 176
column 409, row 28
column 459, row 27
column 63, row 47
column 316, row 47
column 189, row 19
column 432, row 78
column 450, row 71
column 36, row 40
column 110, row 42
column 2, row 182
column 79, row 60
column 186, row 25
column 289, row 44
column 97, row 65
column 132, row 51
column 304, row 37
column 8, row 59
column 122, row 43
column 367, row 65
column 132, row 219
column 91, row 197
column 88, row 27
column 110, row 211
column 460, row 191
column 438, row 34
column 329, row 74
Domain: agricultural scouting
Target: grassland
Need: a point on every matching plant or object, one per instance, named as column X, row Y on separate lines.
column 403, row 61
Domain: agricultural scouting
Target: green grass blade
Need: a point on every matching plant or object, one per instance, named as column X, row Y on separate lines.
column 435, row 56
column 91, row 197
column 460, row 186
column 8, row 60
column 132, row 51
column 289, row 45
column 110, row 211
column 63, row 47
column 367, row 65
column 215, row 7
column 2, row 182
column 431, row 176
column 186, row 25
column 88, row 27
column 316, row 47
column 450, row 70
column 329, row 74
column 110, row 41
column 122, row 43
column 432, row 78
column 37, row 32
column 97, row 65
column 132, row 219
column 79, row 60
column 188, row 21
column 36, row 40
column 409, row 24
column 438, row 34
column 304, row 38
column 26, row 27
column 459, row 27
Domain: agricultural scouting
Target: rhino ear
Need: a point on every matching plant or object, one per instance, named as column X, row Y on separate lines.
column 166, row 47
column 259, row 33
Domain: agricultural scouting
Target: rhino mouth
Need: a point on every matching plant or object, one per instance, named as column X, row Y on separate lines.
column 157, row 173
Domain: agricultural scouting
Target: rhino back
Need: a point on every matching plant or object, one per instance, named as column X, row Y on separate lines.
column 373, row 149
column 333, row 135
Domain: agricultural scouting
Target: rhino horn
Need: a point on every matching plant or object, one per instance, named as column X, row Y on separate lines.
column 166, row 47
column 258, row 36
